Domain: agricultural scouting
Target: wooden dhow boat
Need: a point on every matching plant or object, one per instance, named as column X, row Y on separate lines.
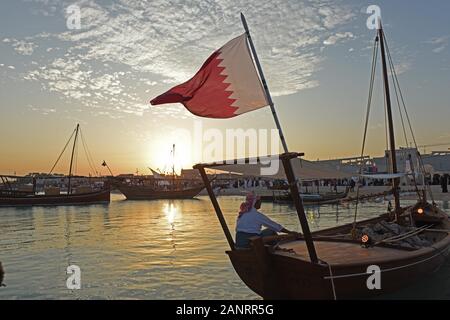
column 321, row 198
column 12, row 195
column 144, row 191
column 312, row 198
column 159, row 186
column 356, row 260
column 338, row 263
column 12, row 198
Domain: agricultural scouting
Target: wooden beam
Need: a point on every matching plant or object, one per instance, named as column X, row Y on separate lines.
column 295, row 194
column 216, row 206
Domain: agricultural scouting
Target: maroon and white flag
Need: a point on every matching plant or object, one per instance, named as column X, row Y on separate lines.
column 226, row 85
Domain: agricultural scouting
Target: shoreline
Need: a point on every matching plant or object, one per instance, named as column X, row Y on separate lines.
column 438, row 195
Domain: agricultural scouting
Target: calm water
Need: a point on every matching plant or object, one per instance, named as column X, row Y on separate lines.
column 147, row 250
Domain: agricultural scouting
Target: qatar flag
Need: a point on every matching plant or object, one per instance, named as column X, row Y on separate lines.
column 226, row 85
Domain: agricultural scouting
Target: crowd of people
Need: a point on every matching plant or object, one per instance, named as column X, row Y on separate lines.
column 252, row 182
column 349, row 183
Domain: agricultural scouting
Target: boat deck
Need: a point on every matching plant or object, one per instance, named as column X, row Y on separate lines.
column 341, row 252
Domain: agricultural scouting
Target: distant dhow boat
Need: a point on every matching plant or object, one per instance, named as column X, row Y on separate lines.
column 20, row 198
column 13, row 193
column 158, row 186
column 142, row 191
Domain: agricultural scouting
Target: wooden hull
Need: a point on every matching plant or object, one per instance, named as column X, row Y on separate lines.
column 149, row 193
column 324, row 199
column 283, row 274
column 308, row 199
column 102, row 196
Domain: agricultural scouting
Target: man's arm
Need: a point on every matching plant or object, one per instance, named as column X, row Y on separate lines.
column 272, row 225
column 269, row 223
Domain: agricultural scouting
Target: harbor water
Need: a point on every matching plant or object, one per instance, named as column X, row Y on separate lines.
column 150, row 249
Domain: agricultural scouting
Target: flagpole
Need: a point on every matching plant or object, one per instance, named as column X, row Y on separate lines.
column 286, row 158
column 264, row 83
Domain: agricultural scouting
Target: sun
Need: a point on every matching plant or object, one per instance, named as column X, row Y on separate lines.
column 160, row 155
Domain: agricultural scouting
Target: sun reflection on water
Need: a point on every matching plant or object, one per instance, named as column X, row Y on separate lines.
column 171, row 211
column 168, row 249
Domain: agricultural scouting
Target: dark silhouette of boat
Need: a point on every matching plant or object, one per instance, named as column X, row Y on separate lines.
column 308, row 198
column 335, row 263
column 142, row 192
column 12, row 195
column 157, row 186
column 11, row 198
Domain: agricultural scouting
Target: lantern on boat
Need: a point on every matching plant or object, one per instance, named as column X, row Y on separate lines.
column 365, row 240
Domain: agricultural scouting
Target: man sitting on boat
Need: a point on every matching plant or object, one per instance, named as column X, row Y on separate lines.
column 250, row 222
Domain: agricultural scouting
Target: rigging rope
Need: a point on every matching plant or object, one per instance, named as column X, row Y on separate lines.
column 332, row 281
column 396, row 89
column 331, row 276
column 88, row 155
column 75, row 164
column 62, row 152
column 397, row 83
column 405, row 235
column 76, row 160
column 398, row 104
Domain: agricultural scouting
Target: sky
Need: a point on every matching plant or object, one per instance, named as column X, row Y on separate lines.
column 316, row 56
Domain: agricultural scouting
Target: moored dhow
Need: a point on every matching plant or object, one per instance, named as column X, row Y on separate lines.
column 152, row 189
column 50, row 190
column 11, row 196
column 157, row 186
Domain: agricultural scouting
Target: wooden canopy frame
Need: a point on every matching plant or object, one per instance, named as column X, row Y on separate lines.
column 292, row 181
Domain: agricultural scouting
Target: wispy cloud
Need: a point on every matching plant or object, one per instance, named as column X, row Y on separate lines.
column 338, row 37
column 47, row 8
column 23, row 47
column 439, row 43
column 130, row 50
column 402, row 67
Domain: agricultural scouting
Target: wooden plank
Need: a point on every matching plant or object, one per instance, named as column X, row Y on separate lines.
column 342, row 252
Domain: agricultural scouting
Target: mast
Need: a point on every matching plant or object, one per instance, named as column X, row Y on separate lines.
column 173, row 166
column 69, row 189
column 396, row 181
